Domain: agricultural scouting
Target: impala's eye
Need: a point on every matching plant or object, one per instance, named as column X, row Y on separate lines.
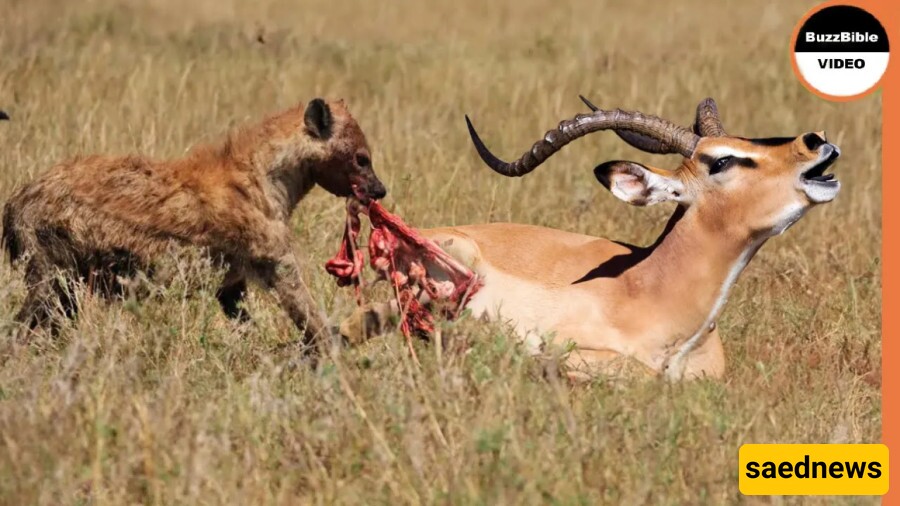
column 720, row 164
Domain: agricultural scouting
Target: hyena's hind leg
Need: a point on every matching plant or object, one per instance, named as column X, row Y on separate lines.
column 36, row 309
column 231, row 293
column 51, row 273
column 50, row 295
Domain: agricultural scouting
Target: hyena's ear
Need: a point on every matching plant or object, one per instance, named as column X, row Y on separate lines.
column 318, row 119
column 638, row 184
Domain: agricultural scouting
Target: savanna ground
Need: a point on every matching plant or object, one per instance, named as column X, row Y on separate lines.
column 164, row 401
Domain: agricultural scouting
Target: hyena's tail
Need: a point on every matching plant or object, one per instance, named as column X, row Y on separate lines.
column 10, row 239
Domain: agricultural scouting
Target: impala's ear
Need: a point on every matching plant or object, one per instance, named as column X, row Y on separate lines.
column 640, row 185
column 318, row 119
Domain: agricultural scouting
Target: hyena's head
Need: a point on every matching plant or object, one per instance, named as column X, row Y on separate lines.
column 346, row 166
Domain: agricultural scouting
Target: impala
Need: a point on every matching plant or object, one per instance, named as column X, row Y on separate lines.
column 656, row 304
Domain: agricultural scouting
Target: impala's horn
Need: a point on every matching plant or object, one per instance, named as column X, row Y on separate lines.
column 707, row 122
column 676, row 138
column 639, row 141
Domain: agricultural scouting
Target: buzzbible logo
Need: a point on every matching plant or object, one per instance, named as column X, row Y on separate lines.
column 840, row 51
column 822, row 469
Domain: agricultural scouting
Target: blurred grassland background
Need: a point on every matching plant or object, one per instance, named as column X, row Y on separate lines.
column 163, row 401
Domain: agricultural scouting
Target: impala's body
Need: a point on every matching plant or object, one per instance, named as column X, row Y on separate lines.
column 531, row 282
column 655, row 304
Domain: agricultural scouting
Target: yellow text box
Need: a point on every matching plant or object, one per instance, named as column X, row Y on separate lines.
column 821, row 469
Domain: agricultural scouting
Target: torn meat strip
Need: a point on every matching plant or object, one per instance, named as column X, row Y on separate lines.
column 401, row 255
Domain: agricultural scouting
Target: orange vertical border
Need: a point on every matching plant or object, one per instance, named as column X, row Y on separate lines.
column 887, row 12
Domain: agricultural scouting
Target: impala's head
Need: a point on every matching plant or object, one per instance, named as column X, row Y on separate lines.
column 764, row 185
column 347, row 167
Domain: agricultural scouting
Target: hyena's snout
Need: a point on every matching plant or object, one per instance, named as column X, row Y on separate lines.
column 369, row 187
column 375, row 189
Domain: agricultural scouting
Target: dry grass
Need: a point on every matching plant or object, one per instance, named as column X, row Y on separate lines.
column 163, row 401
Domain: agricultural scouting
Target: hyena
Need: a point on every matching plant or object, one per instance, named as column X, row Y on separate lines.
column 101, row 219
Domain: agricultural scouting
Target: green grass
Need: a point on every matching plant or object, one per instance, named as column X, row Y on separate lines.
column 163, row 401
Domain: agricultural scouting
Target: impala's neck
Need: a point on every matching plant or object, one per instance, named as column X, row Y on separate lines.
column 689, row 273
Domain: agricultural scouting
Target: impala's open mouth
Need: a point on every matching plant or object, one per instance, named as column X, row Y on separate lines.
column 819, row 186
column 817, row 173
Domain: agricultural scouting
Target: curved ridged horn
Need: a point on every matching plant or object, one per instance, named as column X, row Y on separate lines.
column 707, row 122
column 681, row 139
column 639, row 141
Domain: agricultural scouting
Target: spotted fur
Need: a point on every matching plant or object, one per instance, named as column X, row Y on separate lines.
column 98, row 218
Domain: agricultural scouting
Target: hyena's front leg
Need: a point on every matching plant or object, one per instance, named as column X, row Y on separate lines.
column 282, row 274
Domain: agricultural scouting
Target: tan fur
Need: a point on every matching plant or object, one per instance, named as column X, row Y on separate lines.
column 95, row 217
column 656, row 305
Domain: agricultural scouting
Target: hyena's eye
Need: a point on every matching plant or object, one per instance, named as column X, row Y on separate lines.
column 363, row 160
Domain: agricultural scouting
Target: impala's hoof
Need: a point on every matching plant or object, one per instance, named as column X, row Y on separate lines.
column 365, row 323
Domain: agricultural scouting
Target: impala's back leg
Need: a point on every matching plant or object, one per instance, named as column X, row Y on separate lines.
column 368, row 321
column 584, row 365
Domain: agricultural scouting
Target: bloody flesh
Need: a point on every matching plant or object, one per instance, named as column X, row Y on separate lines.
column 413, row 264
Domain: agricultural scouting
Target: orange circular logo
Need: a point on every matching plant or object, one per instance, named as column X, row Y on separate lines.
column 840, row 51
